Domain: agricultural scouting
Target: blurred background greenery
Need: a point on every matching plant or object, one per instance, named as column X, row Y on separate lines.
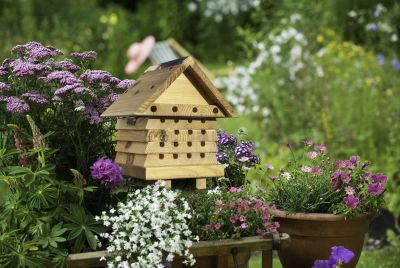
column 295, row 70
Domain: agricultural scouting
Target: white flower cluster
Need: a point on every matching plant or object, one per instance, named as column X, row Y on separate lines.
column 152, row 223
column 220, row 8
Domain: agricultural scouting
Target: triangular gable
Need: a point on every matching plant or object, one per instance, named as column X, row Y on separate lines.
column 157, row 79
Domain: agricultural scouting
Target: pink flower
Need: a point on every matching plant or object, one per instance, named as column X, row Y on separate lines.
column 244, row 225
column 312, row 155
column 235, row 190
column 260, row 231
column 340, row 164
column 209, row 227
column 344, row 176
column 320, row 148
column 349, row 190
column 317, row 171
column 306, row 169
column 351, row 201
column 265, row 216
column 375, row 189
column 233, row 219
column 379, row 178
column 217, row 226
column 231, row 205
column 242, row 218
column 308, row 143
column 218, row 203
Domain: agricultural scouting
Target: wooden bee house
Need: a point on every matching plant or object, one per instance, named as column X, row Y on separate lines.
column 166, row 127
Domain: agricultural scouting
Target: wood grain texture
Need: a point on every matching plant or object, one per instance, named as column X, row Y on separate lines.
column 166, row 147
column 157, row 135
column 166, row 160
column 201, row 183
column 181, row 110
column 182, row 172
column 141, row 123
column 152, row 84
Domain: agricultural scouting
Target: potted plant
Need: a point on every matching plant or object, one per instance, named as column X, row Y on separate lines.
column 322, row 203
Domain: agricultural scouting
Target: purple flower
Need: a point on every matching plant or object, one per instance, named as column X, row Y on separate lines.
column 312, row 155
column 351, row 201
column 84, row 55
column 95, row 109
column 308, row 143
column 3, row 71
column 317, row 171
column 4, row 86
column 380, row 58
column 372, row 26
column 354, row 159
column 125, row 84
column 36, row 97
column 66, row 65
column 107, row 171
column 222, row 157
column 342, row 254
column 335, row 178
column 321, row 264
column 22, row 68
column 379, row 178
column 273, row 178
column 36, row 51
column 96, row 77
column 269, row 166
column 113, row 97
column 376, row 13
column 226, row 139
column 349, row 190
column 75, row 88
column 396, row 64
column 320, row 148
column 375, row 189
column 62, row 77
column 16, row 105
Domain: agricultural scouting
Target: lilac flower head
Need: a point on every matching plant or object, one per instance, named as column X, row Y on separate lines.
column 379, row 178
column 95, row 109
column 66, row 65
column 62, row 77
column 396, row 64
column 269, row 166
column 354, row 160
column 16, row 105
column 113, row 97
column 36, row 51
column 351, row 201
column 107, row 171
column 125, row 84
column 4, row 86
column 380, row 58
column 36, row 97
column 321, row 264
column 375, row 189
column 75, row 88
column 225, row 139
column 320, row 148
column 3, row 71
column 22, row 68
column 222, row 157
column 84, row 55
column 96, row 77
column 312, row 155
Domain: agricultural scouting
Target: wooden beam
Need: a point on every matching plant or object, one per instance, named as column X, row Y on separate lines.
column 140, row 123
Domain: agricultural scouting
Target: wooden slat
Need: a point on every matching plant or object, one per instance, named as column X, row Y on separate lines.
column 158, row 135
column 183, row 172
column 193, row 111
column 165, row 160
column 166, row 147
column 201, row 183
column 165, row 123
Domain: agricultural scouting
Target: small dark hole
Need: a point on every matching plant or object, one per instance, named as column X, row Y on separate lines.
column 203, row 121
column 162, row 144
column 176, row 144
column 203, row 131
column 174, row 109
column 203, row 143
column 170, row 68
column 161, row 156
column 194, row 109
column 189, row 143
column 190, row 132
column 190, row 120
column 137, row 91
column 175, row 156
column 162, row 120
column 202, row 155
column 176, row 120
column 176, row 132
column 215, row 110
column 152, row 87
column 189, row 155
column 153, row 109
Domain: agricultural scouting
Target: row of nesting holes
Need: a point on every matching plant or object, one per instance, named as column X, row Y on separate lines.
column 188, row 155
column 175, row 109
column 162, row 120
column 189, row 144
column 190, row 132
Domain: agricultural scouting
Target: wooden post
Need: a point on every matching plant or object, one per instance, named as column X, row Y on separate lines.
column 267, row 259
column 201, row 183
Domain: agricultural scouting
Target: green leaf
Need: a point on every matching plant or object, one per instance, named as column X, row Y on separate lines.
column 91, row 239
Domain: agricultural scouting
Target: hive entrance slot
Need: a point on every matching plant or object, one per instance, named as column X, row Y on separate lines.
column 202, row 155
column 176, row 144
column 189, row 155
column 162, row 144
column 175, row 156
column 203, row 143
column 153, row 108
column 189, row 144
column 161, row 156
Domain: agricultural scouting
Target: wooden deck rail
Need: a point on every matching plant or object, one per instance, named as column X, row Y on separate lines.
column 220, row 248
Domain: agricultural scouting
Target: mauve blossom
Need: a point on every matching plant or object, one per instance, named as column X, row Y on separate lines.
column 16, row 105
column 107, row 171
column 273, row 178
column 372, row 26
column 235, row 190
column 344, row 176
column 36, row 97
column 351, row 201
column 4, row 86
column 95, row 109
column 269, row 166
column 37, row 51
column 217, row 226
column 379, row 178
column 225, row 139
column 306, row 169
column 349, row 190
column 3, row 71
column 308, row 143
column 354, row 159
column 75, row 88
column 312, row 155
column 22, row 68
column 67, row 65
column 340, row 164
column 62, row 77
column 125, row 84
column 84, row 55
column 317, row 171
column 320, row 148
column 342, row 254
column 375, row 189
column 96, row 77
column 244, row 225
column 113, row 97
column 218, row 203
column 321, row 264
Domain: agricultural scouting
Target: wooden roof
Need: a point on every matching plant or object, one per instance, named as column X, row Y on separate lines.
column 157, row 79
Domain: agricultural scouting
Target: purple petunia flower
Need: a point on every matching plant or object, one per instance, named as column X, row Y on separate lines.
column 84, row 55
column 16, row 105
column 4, row 86
column 375, row 189
column 396, row 64
column 222, row 157
column 342, row 254
column 321, row 264
column 351, row 201
column 36, row 97
column 62, row 77
column 107, row 171
column 380, row 58
column 125, row 84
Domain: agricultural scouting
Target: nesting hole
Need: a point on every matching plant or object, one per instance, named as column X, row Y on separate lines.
column 195, row 109
column 190, row 132
column 189, row 144
column 203, row 131
column 190, row 120
column 202, row 155
column 176, row 120
column 203, row 143
column 176, row 144
column 162, row 120
column 153, row 108
column 176, row 132
column 175, row 156
column 189, row 155
column 174, row 109
column 162, row 144
column 203, row 121
column 161, row 156
column 152, row 87
column 215, row 110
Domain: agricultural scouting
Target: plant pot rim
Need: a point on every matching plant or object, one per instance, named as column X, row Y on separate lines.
column 318, row 216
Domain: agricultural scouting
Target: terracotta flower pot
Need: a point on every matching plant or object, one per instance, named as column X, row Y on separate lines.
column 314, row 234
